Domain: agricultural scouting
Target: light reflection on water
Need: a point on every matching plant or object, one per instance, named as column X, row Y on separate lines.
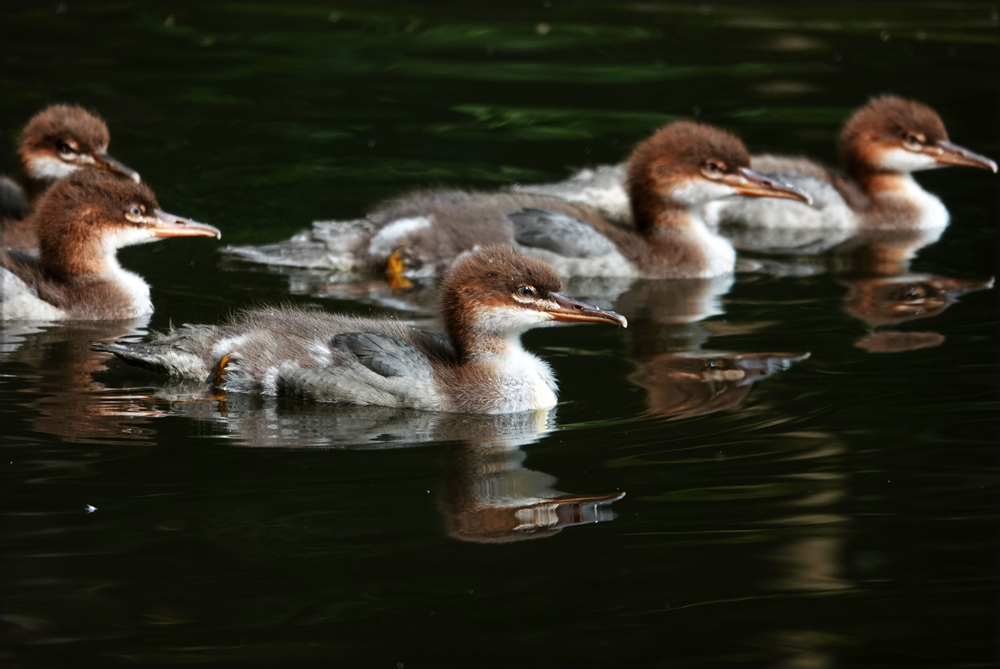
column 836, row 509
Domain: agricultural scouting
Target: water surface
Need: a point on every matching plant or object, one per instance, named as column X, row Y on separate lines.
column 835, row 509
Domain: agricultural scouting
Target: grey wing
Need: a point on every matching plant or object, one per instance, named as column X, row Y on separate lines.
column 390, row 372
column 436, row 343
column 19, row 298
column 291, row 253
column 823, row 193
column 386, row 355
column 559, row 233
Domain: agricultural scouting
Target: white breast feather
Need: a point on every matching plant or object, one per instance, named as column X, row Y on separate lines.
column 526, row 382
column 933, row 213
column 718, row 251
column 383, row 243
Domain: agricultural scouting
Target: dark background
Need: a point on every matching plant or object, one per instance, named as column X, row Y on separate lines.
column 844, row 513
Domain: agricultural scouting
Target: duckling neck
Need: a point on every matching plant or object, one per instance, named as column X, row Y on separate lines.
column 648, row 219
column 495, row 374
column 95, row 271
column 682, row 245
column 898, row 201
column 67, row 261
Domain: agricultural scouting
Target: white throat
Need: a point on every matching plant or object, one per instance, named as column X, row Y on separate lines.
column 933, row 214
column 719, row 252
column 132, row 284
column 525, row 382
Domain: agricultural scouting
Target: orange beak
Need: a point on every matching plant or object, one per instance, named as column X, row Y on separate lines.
column 168, row 225
column 574, row 311
column 754, row 184
column 953, row 154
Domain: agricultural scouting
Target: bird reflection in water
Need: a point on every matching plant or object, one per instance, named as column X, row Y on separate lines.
column 487, row 495
column 890, row 301
column 680, row 378
column 696, row 383
column 874, row 266
column 61, row 384
column 882, row 292
column 490, row 497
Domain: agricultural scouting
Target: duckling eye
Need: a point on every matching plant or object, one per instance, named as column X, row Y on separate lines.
column 64, row 148
column 713, row 169
column 525, row 291
column 135, row 213
column 914, row 142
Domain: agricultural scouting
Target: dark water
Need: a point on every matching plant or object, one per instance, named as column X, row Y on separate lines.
column 834, row 510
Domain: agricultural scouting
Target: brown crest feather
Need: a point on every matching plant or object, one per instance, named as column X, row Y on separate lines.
column 678, row 148
column 489, row 276
column 60, row 123
column 72, row 213
column 886, row 119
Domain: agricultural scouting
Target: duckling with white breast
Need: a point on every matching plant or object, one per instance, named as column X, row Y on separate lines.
column 671, row 175
column 882, row 144
column 82, row 221
column 56, row 142
column 487, row 301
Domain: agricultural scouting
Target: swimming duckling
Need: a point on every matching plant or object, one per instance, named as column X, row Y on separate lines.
column 883, row 143
column 56, row 142
column 671, row 175
column 82, row 221
column 487, row 301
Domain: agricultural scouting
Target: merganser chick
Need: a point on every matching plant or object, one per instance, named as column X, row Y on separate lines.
column 487, row 301
column 56, row 142
column 60, row 140
column 82, row 221
column 882, row 144
column 670, row 176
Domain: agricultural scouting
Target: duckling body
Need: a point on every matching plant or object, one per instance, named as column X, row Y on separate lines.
column 82, row 221
column 488, row 299
column 671, row 175
column 883, row 143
